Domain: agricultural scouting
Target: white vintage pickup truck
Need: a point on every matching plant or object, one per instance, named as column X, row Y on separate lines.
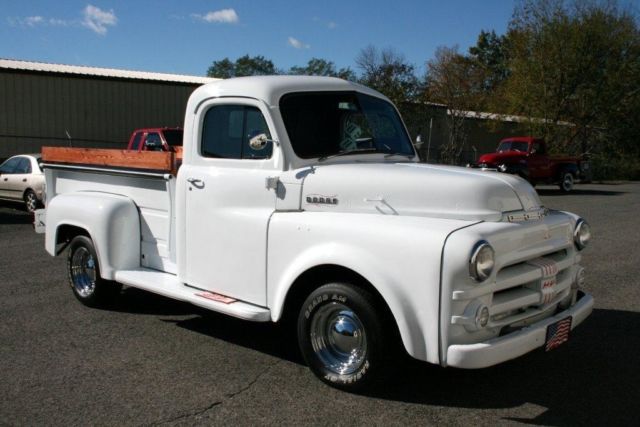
column 303, row 198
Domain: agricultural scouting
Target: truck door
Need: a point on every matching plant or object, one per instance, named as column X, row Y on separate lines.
column 538, row 161
column 228, row 206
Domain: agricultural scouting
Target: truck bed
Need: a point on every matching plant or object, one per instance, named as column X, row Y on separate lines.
column 147, row 178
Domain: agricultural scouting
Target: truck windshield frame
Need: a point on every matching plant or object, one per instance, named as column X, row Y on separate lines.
column 323, row 124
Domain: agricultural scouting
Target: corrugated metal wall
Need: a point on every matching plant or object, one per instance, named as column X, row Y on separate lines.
column 483, row 136
column 39, row 109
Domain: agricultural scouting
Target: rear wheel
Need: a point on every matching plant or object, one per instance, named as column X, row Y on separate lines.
column 566, row 182
column 31, row 201
column 341, row 335
column 84, row 275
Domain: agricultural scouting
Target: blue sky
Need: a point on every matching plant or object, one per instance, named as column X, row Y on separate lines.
column 186, row 36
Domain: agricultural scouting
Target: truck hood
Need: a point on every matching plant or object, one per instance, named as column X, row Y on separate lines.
column 493, row 158
column 412, row 189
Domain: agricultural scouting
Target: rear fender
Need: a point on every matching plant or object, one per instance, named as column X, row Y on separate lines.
column 112, row 222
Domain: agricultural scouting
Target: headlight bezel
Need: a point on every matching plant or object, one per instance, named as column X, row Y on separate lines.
column 579, row 234
column 480, row 249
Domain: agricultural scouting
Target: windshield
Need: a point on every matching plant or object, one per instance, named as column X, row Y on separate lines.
column 513, row 146
column 173, row 137
column 322, row 124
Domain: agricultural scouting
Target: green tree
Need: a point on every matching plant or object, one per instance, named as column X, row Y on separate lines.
column 388, row 72
column 574, row 69
column 458, row 82
column 491, row 52
column 244, row 66
column 322, row 67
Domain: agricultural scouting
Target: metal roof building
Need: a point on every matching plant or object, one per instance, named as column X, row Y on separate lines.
column 67, row 105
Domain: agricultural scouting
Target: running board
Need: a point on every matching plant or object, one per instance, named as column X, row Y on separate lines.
column 168, row 285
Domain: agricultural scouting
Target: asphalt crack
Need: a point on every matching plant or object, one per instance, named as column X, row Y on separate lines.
column 217, row 403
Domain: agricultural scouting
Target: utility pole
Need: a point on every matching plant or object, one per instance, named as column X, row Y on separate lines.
column 429, row 142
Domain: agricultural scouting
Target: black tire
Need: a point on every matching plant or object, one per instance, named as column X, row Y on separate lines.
column 31, row 201
column 566, row 182
column 342, row 336
column 84, row 275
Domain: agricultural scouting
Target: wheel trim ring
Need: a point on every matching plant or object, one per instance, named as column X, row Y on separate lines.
column 567, row 182
column 83, row 272
column 339, row 339
column 31, row 201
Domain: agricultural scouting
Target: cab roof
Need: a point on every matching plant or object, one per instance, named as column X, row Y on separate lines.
column 271, row 88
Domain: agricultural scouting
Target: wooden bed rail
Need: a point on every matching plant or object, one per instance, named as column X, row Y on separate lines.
column 158, row 161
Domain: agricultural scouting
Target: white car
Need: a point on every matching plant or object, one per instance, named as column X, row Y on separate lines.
column 21, row 178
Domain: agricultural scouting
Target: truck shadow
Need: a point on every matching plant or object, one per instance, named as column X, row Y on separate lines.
column 136, row 301
column 277, row 340
column 593, row 379
column 11, row 214
column 269, row 338
column 577, row 192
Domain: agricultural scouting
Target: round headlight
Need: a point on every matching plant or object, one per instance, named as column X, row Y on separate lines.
column 482, row 261
column 582, row 234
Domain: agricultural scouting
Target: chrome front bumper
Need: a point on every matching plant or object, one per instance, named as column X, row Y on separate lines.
column 515, row 344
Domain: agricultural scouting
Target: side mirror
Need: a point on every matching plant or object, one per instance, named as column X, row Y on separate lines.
column 259, row 142
column 418, row 142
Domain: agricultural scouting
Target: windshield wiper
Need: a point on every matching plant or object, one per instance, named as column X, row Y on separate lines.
column 351, row 151
column 390, row 153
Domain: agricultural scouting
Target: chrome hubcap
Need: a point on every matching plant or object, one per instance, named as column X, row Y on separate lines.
column 83, row 272
column 31, row 202
column 568, row 181
column 338, row 338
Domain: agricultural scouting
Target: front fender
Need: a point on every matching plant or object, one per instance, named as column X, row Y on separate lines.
column 399, row 256
column 112, row 222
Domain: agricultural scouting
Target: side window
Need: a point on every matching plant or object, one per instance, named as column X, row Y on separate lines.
column 227, row 130
column 519, row 146
column 153, row 142
column 222, row 132
column 136, row 141
column 538, row 147
column 24, row 166
column 10, row 165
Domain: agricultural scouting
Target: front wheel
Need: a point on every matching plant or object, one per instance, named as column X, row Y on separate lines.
column 84, row 275
column 566, row 182
column 31, row 202
column 341, row 336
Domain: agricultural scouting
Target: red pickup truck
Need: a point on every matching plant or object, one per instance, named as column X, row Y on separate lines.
column 527, row 157
column 155, row 139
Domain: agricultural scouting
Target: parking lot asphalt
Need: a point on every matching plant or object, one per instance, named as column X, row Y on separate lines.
column 153, row 361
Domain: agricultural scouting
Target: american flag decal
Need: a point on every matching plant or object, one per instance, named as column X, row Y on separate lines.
column 548, row 266
column 558, row 333
column 549, row 270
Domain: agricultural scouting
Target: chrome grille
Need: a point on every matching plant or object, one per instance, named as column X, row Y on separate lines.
column 519, row 295
column 516, row 298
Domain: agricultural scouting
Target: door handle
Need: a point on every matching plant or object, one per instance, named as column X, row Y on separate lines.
column 198, row 183
column 24, row 179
